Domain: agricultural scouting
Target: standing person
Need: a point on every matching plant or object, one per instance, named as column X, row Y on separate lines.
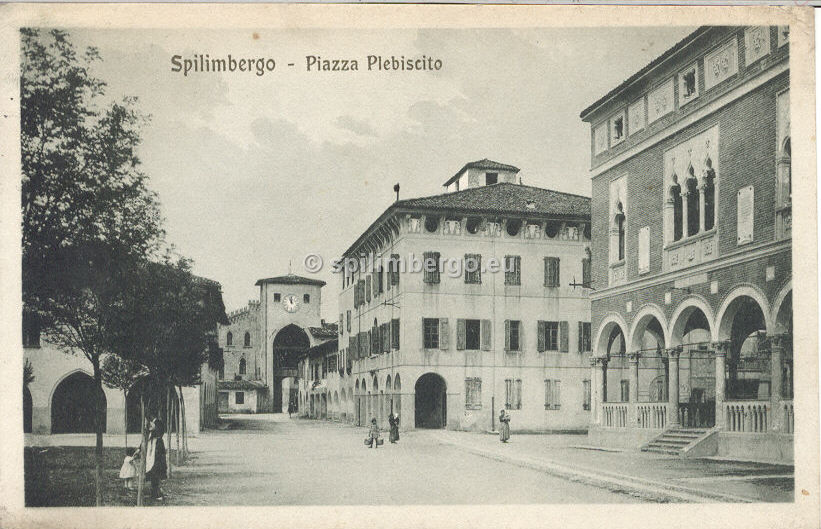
column 504, row 426
column 393, row 419
column 373, row 434
column 129, row 469
column 290, row 408
column 155, row 469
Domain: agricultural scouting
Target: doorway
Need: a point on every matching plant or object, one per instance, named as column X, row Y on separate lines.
column 431, row 401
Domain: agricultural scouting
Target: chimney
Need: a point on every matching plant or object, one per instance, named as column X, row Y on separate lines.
column 396, row 189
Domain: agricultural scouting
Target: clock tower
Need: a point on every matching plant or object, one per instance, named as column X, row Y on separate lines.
column 290, row 311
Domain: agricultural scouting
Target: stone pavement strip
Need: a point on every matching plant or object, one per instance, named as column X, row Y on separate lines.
column 652, row 477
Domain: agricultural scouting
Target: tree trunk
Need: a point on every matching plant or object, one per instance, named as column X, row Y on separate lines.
column 178, row 424
column 141, row 473
column 98, row 430
column 168, row 426
column 184, row 428
column 125, row 418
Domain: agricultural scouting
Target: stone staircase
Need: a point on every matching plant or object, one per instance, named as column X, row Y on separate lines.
column 674, row 441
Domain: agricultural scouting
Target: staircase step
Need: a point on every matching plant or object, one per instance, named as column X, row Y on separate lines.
column 663, row 442
column 660, row 451
column 680, row 436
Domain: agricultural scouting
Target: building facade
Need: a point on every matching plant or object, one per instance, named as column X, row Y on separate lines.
column 502, row 321
column 692, row 270
column 263, row 342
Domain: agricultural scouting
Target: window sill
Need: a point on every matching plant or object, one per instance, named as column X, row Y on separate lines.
column 473, row 406
column 552, row 408
column 617, row 264
column 689, row 239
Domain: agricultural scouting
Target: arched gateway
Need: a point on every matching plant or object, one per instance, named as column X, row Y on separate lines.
column 431, row 401
column 289, row 344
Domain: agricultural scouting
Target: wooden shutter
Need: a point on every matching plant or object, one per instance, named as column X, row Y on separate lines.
column 541, row 336
column 423, row 333
column 507, row 335
column 443, row 333
column 564, row 337
column 368, row 288
column 395, row 333
column 521, row 336
column 547, row 271
column 581, row 336
column 461, row 335
column 485, row 327
column 394, row 269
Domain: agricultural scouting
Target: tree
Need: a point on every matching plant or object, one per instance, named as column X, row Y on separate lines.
column 121, row 374
column 87, row 212
column 28, row 373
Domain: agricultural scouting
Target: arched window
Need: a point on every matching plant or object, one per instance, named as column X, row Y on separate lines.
column 229, row 338
column 709, row 195
column 675, row 197
column 247, row 339
column 620, row 227
column 693, row 206
column 241, row 366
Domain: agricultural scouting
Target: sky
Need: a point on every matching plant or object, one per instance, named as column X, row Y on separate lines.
column 255, row 172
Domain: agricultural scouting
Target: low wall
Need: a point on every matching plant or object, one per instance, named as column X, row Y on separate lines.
column 631, row 438
column 769, row 447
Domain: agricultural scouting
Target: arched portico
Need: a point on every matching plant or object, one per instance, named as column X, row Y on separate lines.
column 77, row 404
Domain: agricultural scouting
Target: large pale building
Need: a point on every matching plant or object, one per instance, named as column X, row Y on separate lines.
column 503, row 323
column 692, row 312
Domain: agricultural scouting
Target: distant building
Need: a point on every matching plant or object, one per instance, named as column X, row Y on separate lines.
column 263, row 342
column 692, row 308
column 60, row 399
column 452, row 345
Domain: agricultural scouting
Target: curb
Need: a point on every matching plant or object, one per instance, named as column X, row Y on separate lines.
column 648, row 490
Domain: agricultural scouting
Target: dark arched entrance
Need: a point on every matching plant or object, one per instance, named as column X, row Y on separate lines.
column 289, row 344
column 431, row 401
column 154, row 400
column 72, row 405
column 27, row 410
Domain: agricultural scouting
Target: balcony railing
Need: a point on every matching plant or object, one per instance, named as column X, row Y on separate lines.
column 614, row 415
column 652, row 415
column 751, row 416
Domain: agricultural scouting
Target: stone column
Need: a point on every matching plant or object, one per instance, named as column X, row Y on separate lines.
column 669, row 221
column 720, row 350
column 701, row 190
column 672, row 391
column 633, row 359
column 776, row 359
column 684, row 198
column 595, row 395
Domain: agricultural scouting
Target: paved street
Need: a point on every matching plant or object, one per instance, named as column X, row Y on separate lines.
column 271, row 460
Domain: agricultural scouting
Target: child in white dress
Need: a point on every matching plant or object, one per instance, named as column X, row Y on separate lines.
column 129, row 470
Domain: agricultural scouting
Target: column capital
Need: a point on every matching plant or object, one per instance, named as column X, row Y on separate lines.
column 598, row 361
column 633, row 356
column 721, row 348
column 779, row 341
column 674, row 352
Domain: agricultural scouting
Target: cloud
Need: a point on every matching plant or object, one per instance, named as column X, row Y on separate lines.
column 355, row 125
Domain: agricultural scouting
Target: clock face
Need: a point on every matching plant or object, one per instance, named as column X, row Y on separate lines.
column 290, row 303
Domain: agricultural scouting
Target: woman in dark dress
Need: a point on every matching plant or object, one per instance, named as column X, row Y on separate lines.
column 504, row 426
column 155, row 468
column 393, row 419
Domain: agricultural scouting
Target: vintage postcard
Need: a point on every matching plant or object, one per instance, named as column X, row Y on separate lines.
column 412, row 266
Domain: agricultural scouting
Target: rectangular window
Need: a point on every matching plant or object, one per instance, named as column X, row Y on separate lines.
column 473, row 268
column 473, row 333
column 394, row 269
column 395, row 333
column 368, row 288
column 306, row 298
column 552, row 394
column 239, row 397
column 341, row 324
column 625, row 391
column 617, row 131
column 431, row 333
column 584, row 337
column 513, row 394
column 513, row 270
column 348, row 323
column 473, row 393
column 548, row 335
column 687, row 85
column 551, row 272
column 277, row 297
column 586, row 395
column 513, row 329
column 380, row 277
column 491, row 178
column 430, row 266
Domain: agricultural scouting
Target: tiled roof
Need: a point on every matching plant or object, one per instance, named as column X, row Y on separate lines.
column 505, row 198
column 495, row 199
column 241, row 384
column 325, row 347
column 484, row 163
column 291, row 279
column 329, row 330
column 655, row 62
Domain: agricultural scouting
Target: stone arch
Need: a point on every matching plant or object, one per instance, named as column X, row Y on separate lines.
column 684, row 310
column 606, row 326
column 726, row 312
column 780, row 325
column 642, row 319
column 72, row 404
column 430, row 401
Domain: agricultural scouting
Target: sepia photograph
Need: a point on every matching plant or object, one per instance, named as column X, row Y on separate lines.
column 276, row 264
